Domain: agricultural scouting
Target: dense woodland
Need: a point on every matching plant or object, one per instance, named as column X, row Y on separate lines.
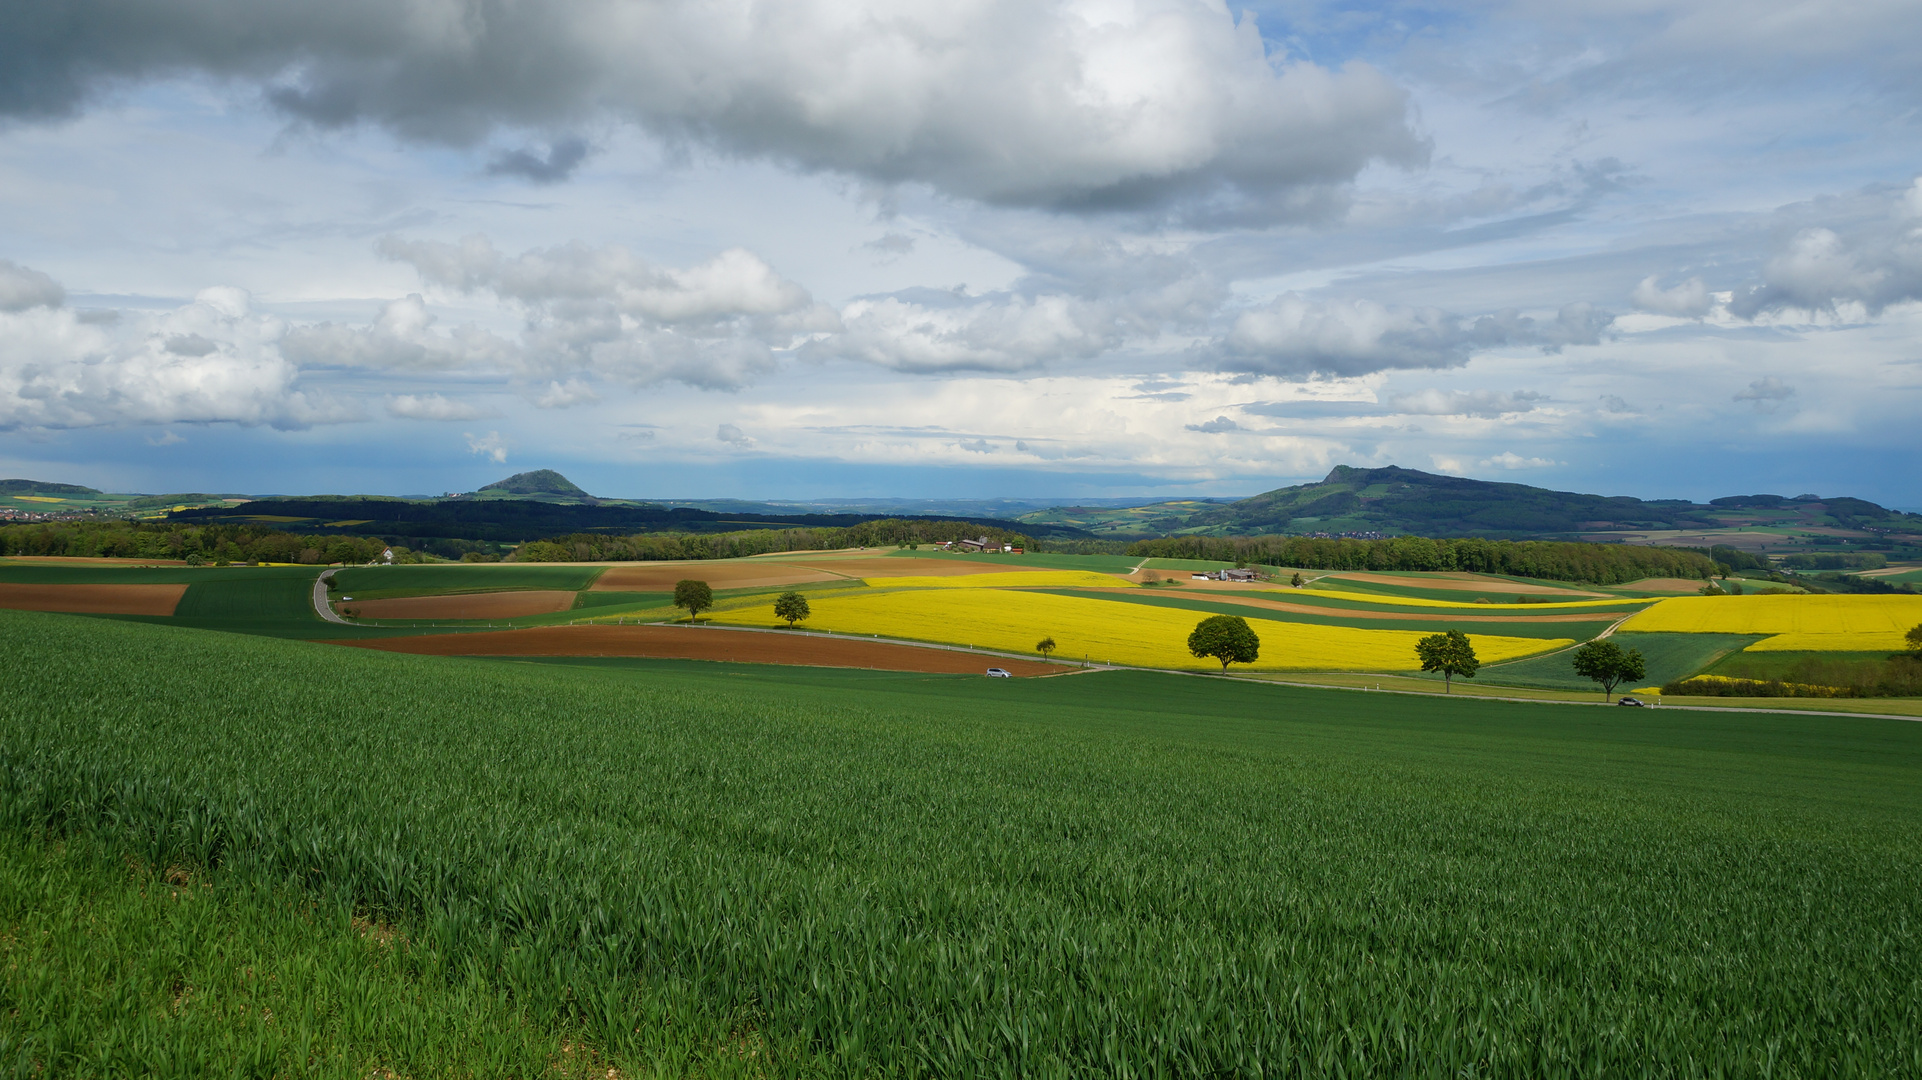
column 889, row 532
column 1600, row 564
column 178, row 540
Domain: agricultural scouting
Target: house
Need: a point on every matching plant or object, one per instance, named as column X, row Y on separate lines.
column 1237, row 575
column 981, row 544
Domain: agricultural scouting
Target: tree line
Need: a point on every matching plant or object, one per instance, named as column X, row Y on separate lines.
column 886, row 532
column 176, row 540
column 1553, row 560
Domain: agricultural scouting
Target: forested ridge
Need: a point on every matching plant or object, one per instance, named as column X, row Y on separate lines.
column 1599, row 564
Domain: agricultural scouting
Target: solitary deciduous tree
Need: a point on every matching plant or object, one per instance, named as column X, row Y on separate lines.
column 1296, row 580
column 1608, row 664
column 1914, row 638
column 1227, row 638
column 1045, row 646
column 693, row 595
column 791, row 606
column 1450, row 654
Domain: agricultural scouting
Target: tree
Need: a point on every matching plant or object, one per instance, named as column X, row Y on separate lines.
column 1914, row 638
column 1226, row 638
column 1606, row 663
column 693, row 595
column 791, row 606
column 1296, row 580
column 1045, row 646
column 1450, row 654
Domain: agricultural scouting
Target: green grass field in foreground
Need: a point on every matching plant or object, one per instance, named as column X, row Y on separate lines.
column 1105, row 874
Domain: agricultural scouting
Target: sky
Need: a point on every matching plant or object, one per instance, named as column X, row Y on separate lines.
column 975, row 248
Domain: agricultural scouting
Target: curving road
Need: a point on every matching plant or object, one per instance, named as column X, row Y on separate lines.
column 321, row 607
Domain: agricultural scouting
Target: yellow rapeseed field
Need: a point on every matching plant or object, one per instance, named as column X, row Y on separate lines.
column 1112, row 630
column 1798, row 622
column 1028, row 579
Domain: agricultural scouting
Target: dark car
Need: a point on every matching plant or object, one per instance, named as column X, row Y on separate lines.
column 1631, row 702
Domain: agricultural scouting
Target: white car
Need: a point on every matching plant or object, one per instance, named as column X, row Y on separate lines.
column 1633, row 703
column 1000, row 673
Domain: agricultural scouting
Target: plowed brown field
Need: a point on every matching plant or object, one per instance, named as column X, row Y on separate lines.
column 92, row 599
column 911, row 567
column 1665, row 585
column 1395, row 616
column 720, row 575
column 487, row 605
column 693, row 643
column 1463, row 582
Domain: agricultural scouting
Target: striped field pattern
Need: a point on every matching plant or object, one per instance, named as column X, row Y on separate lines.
column 1102, row 630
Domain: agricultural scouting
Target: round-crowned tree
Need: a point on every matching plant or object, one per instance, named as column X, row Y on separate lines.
column 1227, row 638
column 1045, row 646
column 1608, row 664
column 693, row 595
column 1450, row 654
column 791, row 606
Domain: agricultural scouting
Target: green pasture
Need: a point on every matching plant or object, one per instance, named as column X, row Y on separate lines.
column 120, row 574
column 432, row 579
column 1103, row 874
column 1778, row 665
column 1206, row 604
column 1668, row 656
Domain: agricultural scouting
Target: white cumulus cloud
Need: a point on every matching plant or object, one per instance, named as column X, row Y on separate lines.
column 1057, row 103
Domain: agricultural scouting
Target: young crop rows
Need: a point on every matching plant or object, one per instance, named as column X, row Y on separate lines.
column 1114, row 874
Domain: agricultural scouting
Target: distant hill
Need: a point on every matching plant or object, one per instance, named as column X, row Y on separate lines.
column 1392, row 500
column 42, row 487
column 538, row 482
column 520, row 518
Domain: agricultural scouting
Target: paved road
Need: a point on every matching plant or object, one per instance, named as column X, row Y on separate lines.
column 321, row 607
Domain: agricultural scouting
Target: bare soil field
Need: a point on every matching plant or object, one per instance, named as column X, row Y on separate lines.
column 494, row 605
column 887, row 566
column 1463, row 582
column 66, row 560
column 656, row 577
column 92, row 599
column 1438, row 617
column 695, row 643
column 1664, row 585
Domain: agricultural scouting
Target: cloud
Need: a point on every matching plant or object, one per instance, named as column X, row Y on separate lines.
column 1069, row 105
column 605, row 311
column 401, row 338
column 1874, row 260
column 22, row 288
column 1217, row 426
column 563, row 156
column 490, row 445
column 562, row 395
column 1482, row 403
column 1512, row 460
column 214, row 360
column 434, row 407
column 1296, row 337
column 732, row 435
column 976, row 446
column 1689, row 300
column 1767, row 394
column 190, row 345
column 165, row 438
